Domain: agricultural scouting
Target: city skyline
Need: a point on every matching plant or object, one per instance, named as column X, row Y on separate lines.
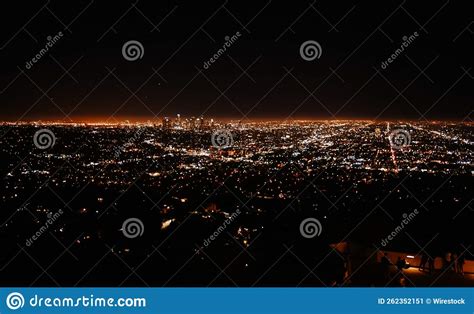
column 144, row 119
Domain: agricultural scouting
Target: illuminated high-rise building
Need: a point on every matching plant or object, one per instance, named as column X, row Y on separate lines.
column 178, row 120
column 166, row 123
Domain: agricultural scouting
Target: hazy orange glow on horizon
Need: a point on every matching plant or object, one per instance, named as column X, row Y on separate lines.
column 158, row 120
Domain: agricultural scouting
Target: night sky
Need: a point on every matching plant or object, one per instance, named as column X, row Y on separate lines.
column 261, row 75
